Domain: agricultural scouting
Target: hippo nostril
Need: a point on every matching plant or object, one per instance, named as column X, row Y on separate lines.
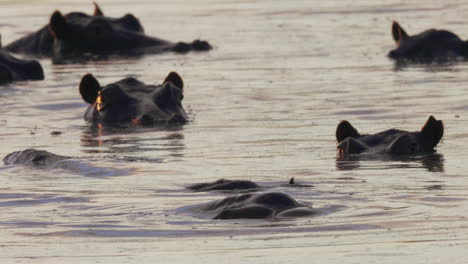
column 201, row 45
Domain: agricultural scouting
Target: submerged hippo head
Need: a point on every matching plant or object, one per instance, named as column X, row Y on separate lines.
column 33, row 157
column 130, row 100
column 14, row 69
column 429, row 46
column 41, row 42
column 225, row 185
column 391, row 141
column 256, row 206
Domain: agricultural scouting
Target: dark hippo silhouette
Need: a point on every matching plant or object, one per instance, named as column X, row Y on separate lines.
column 76, row 37
column 426, row 47
column 256, row 206
column 236, row 185
column 392, row 141
column 131, row 101
column 14, row 69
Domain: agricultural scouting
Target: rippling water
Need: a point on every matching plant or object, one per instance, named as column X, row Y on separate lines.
column 264, row 105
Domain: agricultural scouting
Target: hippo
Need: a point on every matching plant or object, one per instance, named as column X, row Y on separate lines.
column 223, row 184
column 77, row 37
column 237, row 185
column 427, row 47
column 33, row 157
column 42, row 159
column 256, row 206
column 392, row 141
column 130, row 101
column 14, row 69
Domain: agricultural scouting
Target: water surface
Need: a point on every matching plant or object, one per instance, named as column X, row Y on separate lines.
column 264, row 105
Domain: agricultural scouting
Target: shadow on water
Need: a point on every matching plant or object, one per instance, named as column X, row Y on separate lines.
column 438, row 66
column 433, row 162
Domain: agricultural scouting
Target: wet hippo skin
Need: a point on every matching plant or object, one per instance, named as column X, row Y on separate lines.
column 132, row 101
column 256, row 206
column 392, row 141
column 33, row 157
column 14, row 69
column 426, row 47
column 222, row 184
column 77, row 37
column 236, row 185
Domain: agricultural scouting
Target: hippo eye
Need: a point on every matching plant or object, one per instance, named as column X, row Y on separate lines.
column 100, row 103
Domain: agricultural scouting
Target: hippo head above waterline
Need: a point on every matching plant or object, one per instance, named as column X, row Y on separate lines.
column 131, row 101
column 429, row 46
column 392, row 141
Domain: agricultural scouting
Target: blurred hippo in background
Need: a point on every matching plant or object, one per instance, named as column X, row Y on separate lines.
column 256, row 206
column 392, row 141
column 77, row 37
column 14, row 69
column 429, row 46
column 132, row 101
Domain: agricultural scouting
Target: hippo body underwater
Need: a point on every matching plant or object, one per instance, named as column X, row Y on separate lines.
column 14, row 69
column 427, row 47
column 392, row 141
column 77, row 37
column 256, row 206
column 132, row 101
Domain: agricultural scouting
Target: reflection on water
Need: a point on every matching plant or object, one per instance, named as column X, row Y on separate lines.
column 128, row 139
column 432, row 67
column 433, row 162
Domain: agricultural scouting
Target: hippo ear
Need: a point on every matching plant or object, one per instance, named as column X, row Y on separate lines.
column 58, row 25
column 433, row 131
column 168, row 96
column 89, row 88
column 175, row 79
column 97, row 10
column 345, row 130
column 398, row 33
